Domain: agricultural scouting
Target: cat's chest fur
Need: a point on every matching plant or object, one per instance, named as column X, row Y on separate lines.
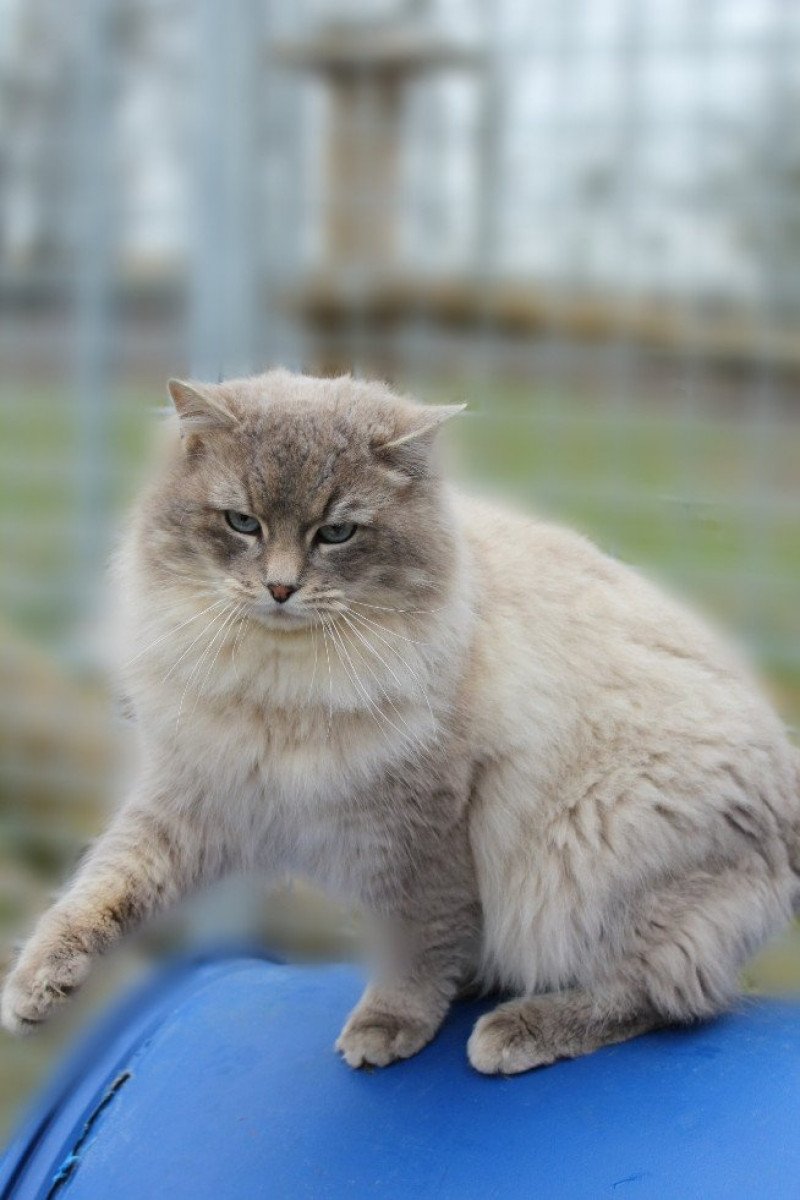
column 309, row 759
column 301, row 788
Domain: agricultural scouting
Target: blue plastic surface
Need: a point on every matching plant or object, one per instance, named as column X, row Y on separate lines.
column 221, row 1081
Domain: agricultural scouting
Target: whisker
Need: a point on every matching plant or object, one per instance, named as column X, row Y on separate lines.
column 427, row 612
column 385, row 629
column 175, row 629
column 335, row 639
column 363, row 638
column 228, row 624
column 224, row 617
column 407, row 665
column 375, row 709
column 324, row 608
column 330, row 679
column 238, row 639
column 220, row 631
column 209, row 624
column 314, row 671
column 415, row 736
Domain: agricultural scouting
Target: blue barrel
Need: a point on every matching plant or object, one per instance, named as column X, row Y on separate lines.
column 220, row 1082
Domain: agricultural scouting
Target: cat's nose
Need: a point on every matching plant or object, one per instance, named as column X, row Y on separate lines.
column 280, row 591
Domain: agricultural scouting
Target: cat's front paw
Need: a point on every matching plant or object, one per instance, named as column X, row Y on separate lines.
column 506, row 1042
column 375, row 1038
column 40, row 982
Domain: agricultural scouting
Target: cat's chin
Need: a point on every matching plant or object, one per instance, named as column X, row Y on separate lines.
column 281, row 621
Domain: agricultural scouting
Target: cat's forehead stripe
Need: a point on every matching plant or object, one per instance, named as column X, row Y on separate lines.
column 228, row 493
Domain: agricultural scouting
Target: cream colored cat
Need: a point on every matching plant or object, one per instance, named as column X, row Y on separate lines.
column 539, row 772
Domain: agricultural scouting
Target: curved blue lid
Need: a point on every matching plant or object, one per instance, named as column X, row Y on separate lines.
column 220, row 1081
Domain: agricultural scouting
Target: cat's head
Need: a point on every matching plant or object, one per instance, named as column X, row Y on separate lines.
column 297, row 497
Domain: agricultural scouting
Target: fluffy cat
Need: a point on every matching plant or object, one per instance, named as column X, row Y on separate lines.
column 538, row 772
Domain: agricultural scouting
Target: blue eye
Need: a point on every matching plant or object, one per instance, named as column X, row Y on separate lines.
column 332, row 535
column 242, row 522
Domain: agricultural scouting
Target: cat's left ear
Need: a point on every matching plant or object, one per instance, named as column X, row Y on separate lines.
column 201, row 407
column 409, row 450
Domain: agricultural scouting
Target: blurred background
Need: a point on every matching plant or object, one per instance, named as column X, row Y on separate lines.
column 584, row 219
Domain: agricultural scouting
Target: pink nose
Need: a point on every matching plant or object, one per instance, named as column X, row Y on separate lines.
column 280, row 591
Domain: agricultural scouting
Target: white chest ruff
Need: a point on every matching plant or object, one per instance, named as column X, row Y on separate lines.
column 287, row 780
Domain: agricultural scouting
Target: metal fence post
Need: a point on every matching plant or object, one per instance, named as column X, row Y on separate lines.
column 225, row 310
column 94, row 191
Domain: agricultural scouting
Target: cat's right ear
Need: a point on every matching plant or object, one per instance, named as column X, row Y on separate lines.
column 409, row 451
column 201, row 407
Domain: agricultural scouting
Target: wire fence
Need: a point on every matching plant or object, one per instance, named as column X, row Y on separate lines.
column 571, row 215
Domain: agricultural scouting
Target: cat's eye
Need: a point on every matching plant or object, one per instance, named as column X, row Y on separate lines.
column 332, row 535
column 242, row 522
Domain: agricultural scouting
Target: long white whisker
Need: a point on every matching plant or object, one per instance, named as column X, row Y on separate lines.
column 224, row 615
column 377, row 653
column 330, row 679
column 407, row 665
column 238, row 639
column 385, row 629
column 416, row 738
column 336, row 641
column 377, row 711
column 227, row 624
column 425, row 612
column 176, row 629
column 368, row 644
column 314, row 671
column 209, row 625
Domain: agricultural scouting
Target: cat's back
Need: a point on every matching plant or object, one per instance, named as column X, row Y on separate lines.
column 568, row 634
column 557, row 590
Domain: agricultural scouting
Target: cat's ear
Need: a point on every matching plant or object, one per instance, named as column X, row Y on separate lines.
column 201, row 407
column 409, row 449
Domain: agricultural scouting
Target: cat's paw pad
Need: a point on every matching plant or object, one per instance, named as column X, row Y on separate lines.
column 506, row 1042
column 35, row 987
column 376, row 1039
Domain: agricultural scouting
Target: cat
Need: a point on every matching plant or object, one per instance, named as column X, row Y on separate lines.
column 535, row 771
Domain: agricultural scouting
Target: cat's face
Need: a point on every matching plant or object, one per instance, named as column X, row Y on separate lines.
column 297, row 498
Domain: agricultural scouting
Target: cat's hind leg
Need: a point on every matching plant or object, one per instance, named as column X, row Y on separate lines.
column 537, row 1030
column 681, row 962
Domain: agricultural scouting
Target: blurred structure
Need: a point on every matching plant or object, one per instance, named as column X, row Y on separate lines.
column 583, row 219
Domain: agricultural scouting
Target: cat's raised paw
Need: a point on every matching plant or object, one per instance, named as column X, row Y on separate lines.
column 376, row 1039
column 34, row 988
column 507, row 1042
